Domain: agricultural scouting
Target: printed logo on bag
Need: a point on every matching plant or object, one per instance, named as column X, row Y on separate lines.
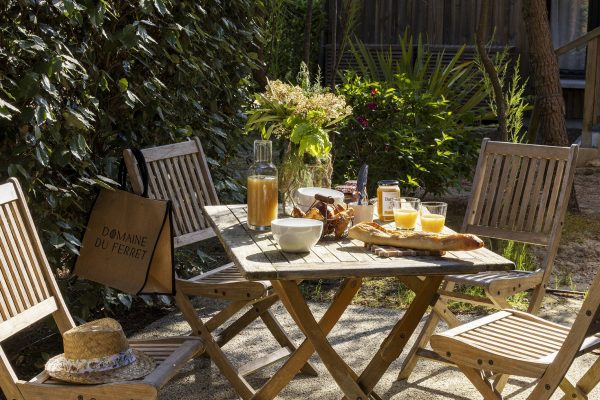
column 122, row 243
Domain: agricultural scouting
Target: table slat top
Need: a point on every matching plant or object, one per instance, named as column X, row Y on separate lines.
column 258, row 256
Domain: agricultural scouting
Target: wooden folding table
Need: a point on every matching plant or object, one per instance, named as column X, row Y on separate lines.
column 259, row 258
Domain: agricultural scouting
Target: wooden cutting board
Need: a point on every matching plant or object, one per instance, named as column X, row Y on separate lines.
column 390, row 251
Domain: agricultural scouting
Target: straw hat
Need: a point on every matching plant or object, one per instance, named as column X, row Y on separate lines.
column 98, row 352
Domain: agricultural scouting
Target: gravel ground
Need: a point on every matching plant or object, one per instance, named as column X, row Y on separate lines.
column 355, row 337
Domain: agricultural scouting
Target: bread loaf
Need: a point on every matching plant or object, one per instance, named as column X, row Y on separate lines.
column 371, row 232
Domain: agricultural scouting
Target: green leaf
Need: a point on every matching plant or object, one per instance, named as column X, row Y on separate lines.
column 125, row 299
column 123, row 85
column 14, row 169
column 41, row 154
column 161, row 8
column 79, row 147
column 76, row 119
column 6, row 108
column 71, row 239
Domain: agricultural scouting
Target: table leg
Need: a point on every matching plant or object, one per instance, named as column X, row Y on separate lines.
column 299, row 357
column 294, row 301
column 393, row 345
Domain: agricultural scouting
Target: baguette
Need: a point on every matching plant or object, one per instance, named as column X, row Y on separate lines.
column 371, row 232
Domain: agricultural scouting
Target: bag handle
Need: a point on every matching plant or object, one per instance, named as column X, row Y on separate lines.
column 142, row 168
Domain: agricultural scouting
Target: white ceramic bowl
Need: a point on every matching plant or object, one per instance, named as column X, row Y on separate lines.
column 296, row 235
column 306, row 196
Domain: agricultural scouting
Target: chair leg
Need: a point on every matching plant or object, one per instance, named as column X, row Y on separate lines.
column 246, row 319
column 500, row 382
column 222, row 316
column 571, row 392
column 440, row 310
column 500, row 302
column 590, row 379
column 536, row 299
column 189, row 312
column 483, row 385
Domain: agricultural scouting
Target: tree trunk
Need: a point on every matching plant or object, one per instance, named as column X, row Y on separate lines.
column 307, row 29
column 490, row 70
column 549, row 104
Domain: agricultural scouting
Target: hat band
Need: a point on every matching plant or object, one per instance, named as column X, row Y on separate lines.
column 101, row 364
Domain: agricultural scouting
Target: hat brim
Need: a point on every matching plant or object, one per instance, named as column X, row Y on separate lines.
column 141, row 367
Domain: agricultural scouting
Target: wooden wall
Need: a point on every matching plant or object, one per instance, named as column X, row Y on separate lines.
column 441, row 22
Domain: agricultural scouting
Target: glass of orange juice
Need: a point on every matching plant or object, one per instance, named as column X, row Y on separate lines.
column 433, row 216
column 406, row 211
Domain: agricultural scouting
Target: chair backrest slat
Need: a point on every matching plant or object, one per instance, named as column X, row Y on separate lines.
column 520, row 189
column 18, row 267
column 540, row 217
column 518, row 192
column 28, row 289
column 25, row 277
column 178, row 172
column 554, row 196
column 510, row 189
column 183, row 187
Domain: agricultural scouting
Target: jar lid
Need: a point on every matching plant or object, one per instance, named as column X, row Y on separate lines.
column 389, row 182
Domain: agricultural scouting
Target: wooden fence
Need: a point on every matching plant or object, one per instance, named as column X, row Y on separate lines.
column 440, row 22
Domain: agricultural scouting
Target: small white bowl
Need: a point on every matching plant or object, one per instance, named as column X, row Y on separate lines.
column 306, row 196
column 296, row 235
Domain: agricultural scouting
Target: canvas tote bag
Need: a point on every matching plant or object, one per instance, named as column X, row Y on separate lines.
column 128, row 242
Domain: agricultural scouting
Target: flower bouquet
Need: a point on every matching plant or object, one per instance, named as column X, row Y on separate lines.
column 303, row 115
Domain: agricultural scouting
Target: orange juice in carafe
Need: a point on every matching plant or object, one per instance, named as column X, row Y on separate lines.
column 262, row 188
column 262, row 200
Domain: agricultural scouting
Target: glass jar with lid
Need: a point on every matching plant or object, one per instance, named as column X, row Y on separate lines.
column 387, row 192
column 262, row 187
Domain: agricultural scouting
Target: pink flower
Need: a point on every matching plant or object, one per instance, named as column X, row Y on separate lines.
column 374, row 92
column 363, row 121
column 372, row 106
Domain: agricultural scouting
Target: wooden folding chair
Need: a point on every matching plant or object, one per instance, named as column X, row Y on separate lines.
column 29, row 293
column 179, row 172
column 520, row 192
column 510, row 342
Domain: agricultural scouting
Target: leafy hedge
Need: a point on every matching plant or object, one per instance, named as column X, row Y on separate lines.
column 284, row 37
column 416, row 118
column 82, row 79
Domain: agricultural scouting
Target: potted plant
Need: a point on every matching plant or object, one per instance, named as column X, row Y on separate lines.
column 303, row 116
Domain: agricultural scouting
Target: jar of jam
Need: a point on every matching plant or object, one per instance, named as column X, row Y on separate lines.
column 387, row 192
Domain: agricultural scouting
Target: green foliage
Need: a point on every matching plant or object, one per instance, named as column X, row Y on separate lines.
column 81, row 80
column 456, row 81
column 518, row 252
column 284, row 36
column 513, row 88
column 304, row 114
column 414, row 119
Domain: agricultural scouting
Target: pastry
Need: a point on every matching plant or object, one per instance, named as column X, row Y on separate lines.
column 371, row 232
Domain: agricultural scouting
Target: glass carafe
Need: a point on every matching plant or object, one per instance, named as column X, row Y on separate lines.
column 262, row 187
